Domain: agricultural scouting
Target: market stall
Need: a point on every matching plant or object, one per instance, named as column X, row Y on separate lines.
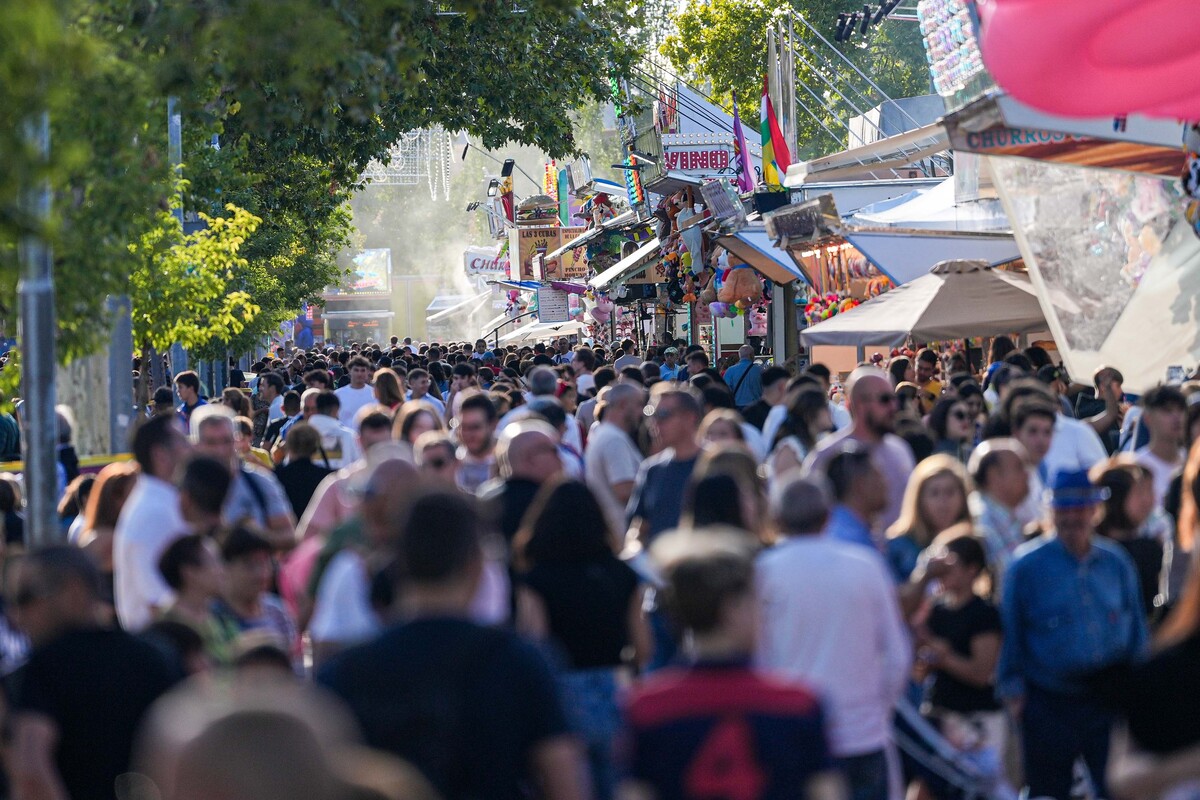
column 955, row 300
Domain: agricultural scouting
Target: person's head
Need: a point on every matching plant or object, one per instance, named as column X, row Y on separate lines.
column 159, row 446
column 374, row 427
column 1130, row 499
column 746, row 352
column 855, row 480
column 1074, row 502
column 480, row 346
column 674, row 414
column 291, row 403
column 53, row 589
column 308, row 402
column 317, row 379
column 477, row 425
column 951, row 420
column 182, row 643
column 808, row 416
column 1055, row 378
column 774, row 385
column 971, row 396
column 622, row 406
column 697, row 362
column 801, row 504
column 418, row 382
column 236, row 401
column 709, row 589
column 436, row 456
column 270, row 385
column 542, row 382
column 967, row 562
column 721, row 426
column 1108, row 379
column 720, row 498
column 564, row 525
column 187, row 384
column 463, row 377
column 584, row 361
column 303, row 442
column 1033, row 426
column 360, row 371
column 248, row 565
column 192, row 566
column 414, row 418
column 934, row 500
column 927, row 366
column 215, row 434
column 999, row 468
column 164, row 400
column 113, row 485
column 203, row 487
column 1000, row 348
column 1165, row 415
column 439, row 548
column 389, row 387
column 901, row 370
column 328, row 404
column 671, row 356
column 871, row 401
column 528, row 450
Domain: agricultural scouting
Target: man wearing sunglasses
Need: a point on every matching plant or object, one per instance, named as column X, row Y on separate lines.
column 872, row 405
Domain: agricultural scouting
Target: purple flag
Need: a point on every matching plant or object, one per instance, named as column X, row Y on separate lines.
column 745, row 169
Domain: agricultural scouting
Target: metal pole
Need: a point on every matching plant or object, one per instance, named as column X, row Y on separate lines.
column 36, row 328
column 120, row 376
column 175, row 156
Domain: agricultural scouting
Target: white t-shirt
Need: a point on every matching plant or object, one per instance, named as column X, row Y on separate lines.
column 149, row 522
column 1161, row 471
column 584, row 383
column 343, row 612
column 351, row 401
column 611, row 458
column 829, row 618
column 338, row 442
column 1075, row 446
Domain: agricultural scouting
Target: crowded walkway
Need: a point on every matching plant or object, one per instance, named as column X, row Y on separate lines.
column 452, row 570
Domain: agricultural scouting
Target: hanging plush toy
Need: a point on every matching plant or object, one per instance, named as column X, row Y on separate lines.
column 740, row 283
column 689, row 289
column 602, row 312
column 758, row 322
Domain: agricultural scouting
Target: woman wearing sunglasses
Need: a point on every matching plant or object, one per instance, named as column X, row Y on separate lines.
column 953, row 429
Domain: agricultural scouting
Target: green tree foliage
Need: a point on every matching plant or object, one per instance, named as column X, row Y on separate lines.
column 183, row 285
column 723, row 43
column 302, row 94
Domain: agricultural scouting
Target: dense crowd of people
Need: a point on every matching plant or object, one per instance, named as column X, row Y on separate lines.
column 424, row 570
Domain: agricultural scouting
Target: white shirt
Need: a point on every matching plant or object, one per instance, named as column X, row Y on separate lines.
column 149, row 522
column 341, row 447
column 584, row 383
column 433, row 401
column 1160, row 470
column 343, row 612
column 830, row 619
column 351, row 401
column 1075, row 446
column 611, row 458
column 275, row 410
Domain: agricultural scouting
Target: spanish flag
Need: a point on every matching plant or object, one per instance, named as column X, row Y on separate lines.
column 775, row 156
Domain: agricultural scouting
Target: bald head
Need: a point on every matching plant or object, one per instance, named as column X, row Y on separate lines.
column 865, row 383
column 801, row 504
column 528, row 449
column 745, row 352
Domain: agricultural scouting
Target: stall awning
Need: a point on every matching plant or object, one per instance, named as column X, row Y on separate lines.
column 520, row 286
column 542, row 330
column 499, row 321
column 626, row 267
column 471, row 303
column 905, row 255
column 875, row 158
column 671, row 182
column 616, row 223
column 381, row 314
column 754, row 246
column 955, row 300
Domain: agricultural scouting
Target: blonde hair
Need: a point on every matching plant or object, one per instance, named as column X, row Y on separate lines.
column 718, row 415
column 911, row 521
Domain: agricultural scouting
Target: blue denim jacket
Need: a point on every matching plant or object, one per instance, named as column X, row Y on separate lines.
column 1064, row 616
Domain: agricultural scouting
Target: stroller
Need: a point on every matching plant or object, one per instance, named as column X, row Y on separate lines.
column 949, row 773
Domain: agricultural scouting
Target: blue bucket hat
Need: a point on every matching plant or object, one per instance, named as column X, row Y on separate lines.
column 1073, row 488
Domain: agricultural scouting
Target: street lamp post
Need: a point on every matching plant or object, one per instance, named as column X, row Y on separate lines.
column 465, row 143
column 37, row 332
